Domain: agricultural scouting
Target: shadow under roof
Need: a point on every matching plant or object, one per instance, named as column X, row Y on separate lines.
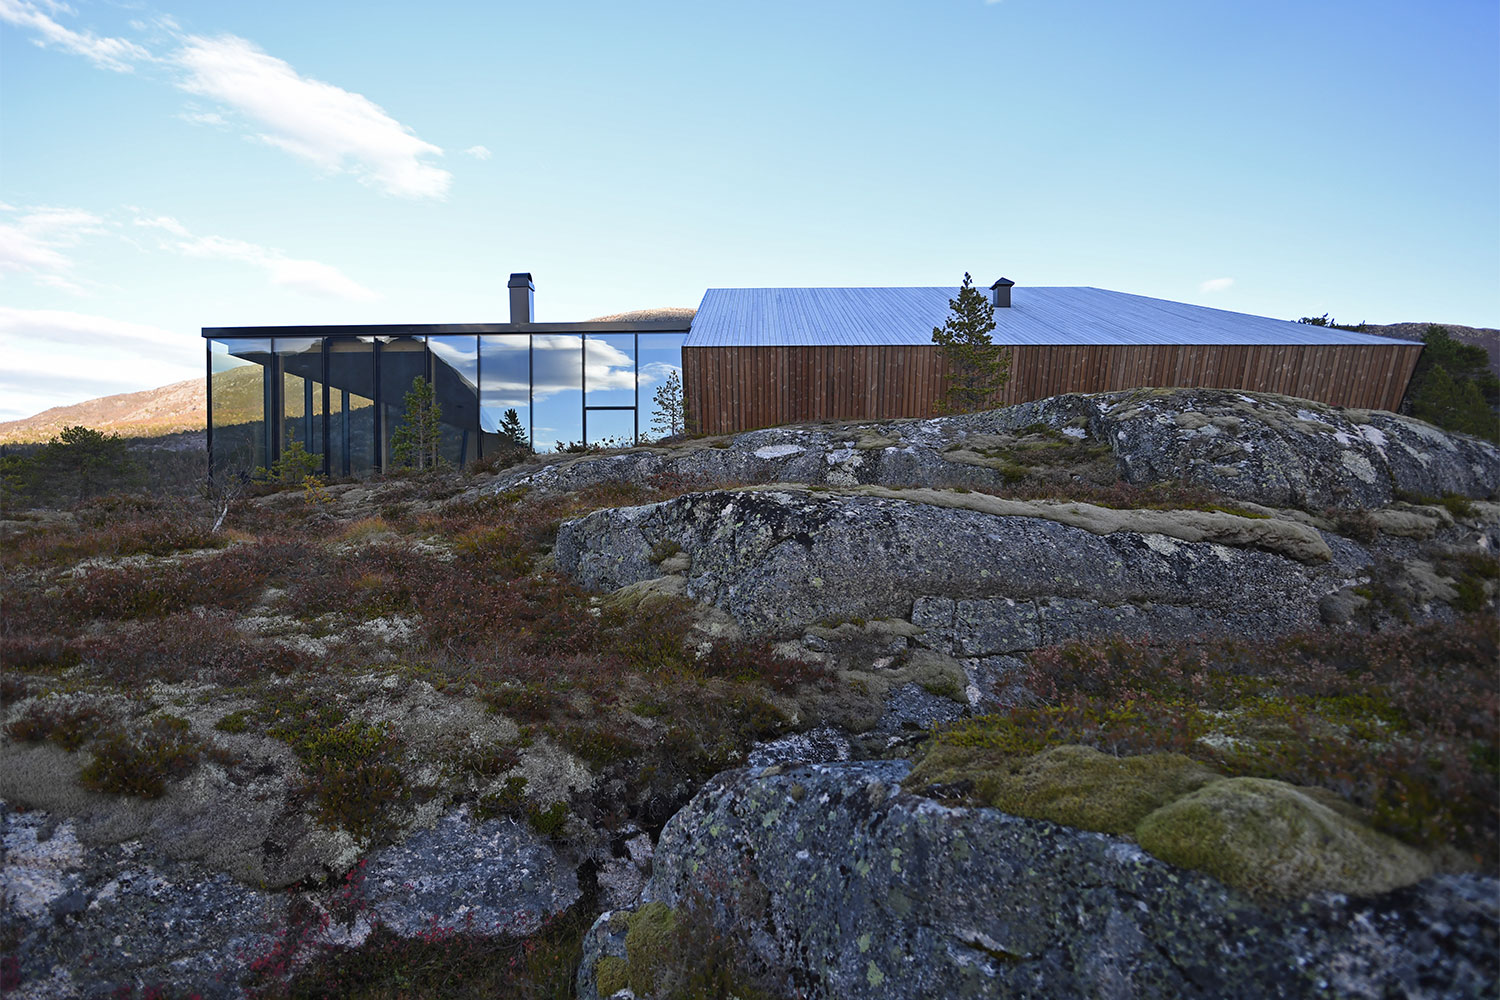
column 799, row 317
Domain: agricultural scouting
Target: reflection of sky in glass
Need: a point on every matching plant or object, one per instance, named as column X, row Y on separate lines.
column 611, row 370
column 458, row 354
column 614, row 427
column 232, row 354
column 505, row 379
column 660, row 355
column 301, row 356
column 557, row 389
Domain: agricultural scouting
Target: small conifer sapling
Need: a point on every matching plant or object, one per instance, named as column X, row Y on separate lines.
column 976, row 369
column 670, row 416
column 414, row 444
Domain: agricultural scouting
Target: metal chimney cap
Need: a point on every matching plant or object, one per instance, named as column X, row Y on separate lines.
column 521, row 279
column 1003, row 283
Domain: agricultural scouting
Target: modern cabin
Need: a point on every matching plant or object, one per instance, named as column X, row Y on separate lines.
column 749, row 357
column 757, row 357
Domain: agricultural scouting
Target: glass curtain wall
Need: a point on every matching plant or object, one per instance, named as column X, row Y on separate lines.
column 351, row 406
column 303, row 415
column 402, row 360
column 455, row 380
column 238, row 388
column 342, row 398
column 504, row 385
column 609, row 390
column 660, row 358
column 556, row 390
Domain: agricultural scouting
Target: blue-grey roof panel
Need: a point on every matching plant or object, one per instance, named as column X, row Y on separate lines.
column 795, row 317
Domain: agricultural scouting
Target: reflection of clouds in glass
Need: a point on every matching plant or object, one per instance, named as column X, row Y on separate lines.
column 609, row 367
column 460, row 358
column 557, row 366
column 657, row 371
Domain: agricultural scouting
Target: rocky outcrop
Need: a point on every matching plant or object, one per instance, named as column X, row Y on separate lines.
column 837, row 883
column 1254, row 447
column 1274, row 449
column 983, row 576
column 85, row 919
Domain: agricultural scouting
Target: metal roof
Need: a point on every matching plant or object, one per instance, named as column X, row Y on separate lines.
column 794, row 317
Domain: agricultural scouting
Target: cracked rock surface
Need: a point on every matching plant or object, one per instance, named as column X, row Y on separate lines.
column 780, row 560
column 922, row 900
column 1256, row 447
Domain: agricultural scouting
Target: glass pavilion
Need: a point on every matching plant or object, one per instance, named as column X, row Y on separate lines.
column 340, row 391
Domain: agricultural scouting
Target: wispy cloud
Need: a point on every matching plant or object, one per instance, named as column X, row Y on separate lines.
column 54, row 357
column 479, row 152
column 34, row 240
column 335, row 129
column 311, row 276
column 117, row 54
column 1215, row 284
column 59, row 327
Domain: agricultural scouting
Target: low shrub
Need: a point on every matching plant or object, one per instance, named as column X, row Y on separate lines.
column 143, row 762
column 1402, row 724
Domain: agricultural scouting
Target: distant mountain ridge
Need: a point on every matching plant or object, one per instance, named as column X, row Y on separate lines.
column 168, row 409
column 183, row 406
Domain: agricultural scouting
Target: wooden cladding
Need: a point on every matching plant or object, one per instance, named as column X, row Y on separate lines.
column 730, row 389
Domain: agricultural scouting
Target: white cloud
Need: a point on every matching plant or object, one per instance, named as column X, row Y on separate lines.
column 54, row 357
column 33, row 241
column 1215, row 284
column 335, row 129
column 309, row 276
column 479, row 152
column 57, row 327
column 116, row 54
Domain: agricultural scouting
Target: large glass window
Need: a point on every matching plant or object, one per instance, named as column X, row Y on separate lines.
column 455, row 378
column 660, row 358
column 504, row 384
column 239, row 386
column 609, row 381
column 343, row 398
column 403, row 360
column 302, row 417
column 351, row 405
column 556, row 390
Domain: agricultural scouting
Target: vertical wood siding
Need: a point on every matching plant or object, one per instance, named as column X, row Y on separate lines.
column 737, row 388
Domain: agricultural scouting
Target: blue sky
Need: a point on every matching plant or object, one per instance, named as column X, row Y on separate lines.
column 165, row 167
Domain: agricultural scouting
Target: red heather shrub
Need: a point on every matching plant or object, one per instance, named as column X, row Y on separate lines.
column 378, row 579
column 755, row 662
column 134, row 534
column 198, row 645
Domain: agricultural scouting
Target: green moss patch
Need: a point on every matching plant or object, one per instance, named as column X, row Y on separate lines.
column 1073, row 785
column 1273, row 840
column 648, row 945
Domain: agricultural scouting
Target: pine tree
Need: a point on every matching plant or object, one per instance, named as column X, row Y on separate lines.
column 414, row 445
column 670, row 418
column 977, row 369
column 1454, row 404
column 511, row 431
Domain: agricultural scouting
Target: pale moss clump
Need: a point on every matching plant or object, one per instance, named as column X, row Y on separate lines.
column 611, row 975
column 1072, row 785
column 1275, row 840
column 1267, row 838
column 648, row 946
